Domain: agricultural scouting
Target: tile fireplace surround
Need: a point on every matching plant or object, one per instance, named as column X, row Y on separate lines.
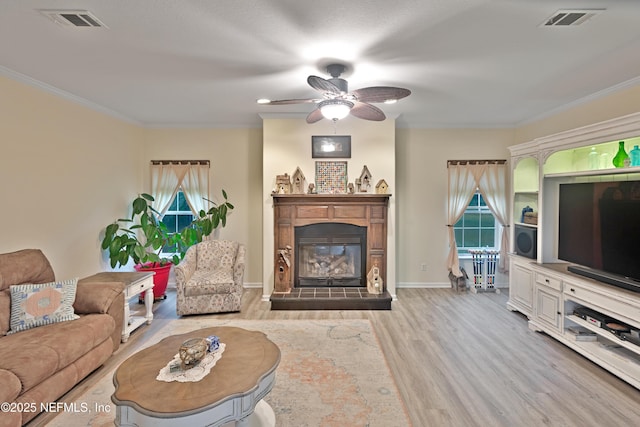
column 299, row 210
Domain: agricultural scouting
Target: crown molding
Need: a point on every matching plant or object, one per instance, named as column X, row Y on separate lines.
column 30, row 81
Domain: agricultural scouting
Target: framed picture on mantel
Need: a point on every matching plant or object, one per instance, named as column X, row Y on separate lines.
column 331, row 146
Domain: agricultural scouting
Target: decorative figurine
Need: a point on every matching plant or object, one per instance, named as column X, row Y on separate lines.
column 350, row 188
column 311, row 189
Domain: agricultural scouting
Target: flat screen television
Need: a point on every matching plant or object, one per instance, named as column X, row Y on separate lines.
column 599, row 231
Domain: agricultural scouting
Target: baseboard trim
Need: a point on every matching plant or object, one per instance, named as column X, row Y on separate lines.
column 437, row 285
column 434, row 285
column 252, row 285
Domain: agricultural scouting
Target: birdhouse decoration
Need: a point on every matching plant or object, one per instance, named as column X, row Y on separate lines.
column 283, row 268
column 298, row 182
column 375, row 284
column 382, row 187
column 283, row 184
column 364, row 182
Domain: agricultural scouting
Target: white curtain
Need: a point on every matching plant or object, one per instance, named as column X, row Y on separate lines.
column 491, row 180
column 195, row 187
column 493, row 186
column 462, row 186
column 168, row 177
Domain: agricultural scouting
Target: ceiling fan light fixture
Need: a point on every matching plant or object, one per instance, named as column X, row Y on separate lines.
column 335, row 109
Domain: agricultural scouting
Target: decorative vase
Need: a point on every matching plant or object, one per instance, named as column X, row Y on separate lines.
column 594, row 159
column 192, row 351
column 621, row 156
column 635, row 156
column 160, row 279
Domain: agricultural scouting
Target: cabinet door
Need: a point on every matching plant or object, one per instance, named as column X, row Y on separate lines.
column 521, row 288
column 548, row 307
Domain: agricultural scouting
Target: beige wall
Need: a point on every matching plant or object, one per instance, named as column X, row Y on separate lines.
column 65, row 173
column 287, row 145
column 614, row 105
column 236, row 167
column 421, row 164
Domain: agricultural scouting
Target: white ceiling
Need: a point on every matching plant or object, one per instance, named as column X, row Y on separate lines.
column 468, row 63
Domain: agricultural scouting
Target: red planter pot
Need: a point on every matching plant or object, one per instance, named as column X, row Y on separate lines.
column 160, row 279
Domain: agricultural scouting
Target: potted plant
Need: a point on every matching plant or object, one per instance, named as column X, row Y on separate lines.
column 141, row 238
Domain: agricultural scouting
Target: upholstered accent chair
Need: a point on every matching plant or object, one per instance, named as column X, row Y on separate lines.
column 209, row 278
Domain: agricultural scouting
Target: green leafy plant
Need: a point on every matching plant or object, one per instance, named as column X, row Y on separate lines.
column 139, row 238
column 142, row 237
column 207, row 221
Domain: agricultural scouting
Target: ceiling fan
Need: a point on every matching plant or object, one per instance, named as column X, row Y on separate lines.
column 337, row 102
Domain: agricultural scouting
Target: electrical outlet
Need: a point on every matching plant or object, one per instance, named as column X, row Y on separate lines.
column 423, row 267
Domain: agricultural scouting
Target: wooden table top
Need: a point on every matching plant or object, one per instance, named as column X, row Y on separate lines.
column 248, row 357
column 127, row 277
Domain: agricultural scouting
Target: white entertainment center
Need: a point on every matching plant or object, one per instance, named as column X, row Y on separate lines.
column 540, row 286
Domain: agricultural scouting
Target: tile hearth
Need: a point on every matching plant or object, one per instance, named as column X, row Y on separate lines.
column 330, row 298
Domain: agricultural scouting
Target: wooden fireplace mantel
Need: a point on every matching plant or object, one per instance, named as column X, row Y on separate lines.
column 294, row 210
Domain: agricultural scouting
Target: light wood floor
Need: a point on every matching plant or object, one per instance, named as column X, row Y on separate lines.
column 458, row 360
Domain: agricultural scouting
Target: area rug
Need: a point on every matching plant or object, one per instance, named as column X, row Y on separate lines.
column 331, row 373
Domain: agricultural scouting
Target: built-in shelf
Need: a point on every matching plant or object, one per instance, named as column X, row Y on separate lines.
column 547, row 293
column 526, row 225
column 606, row 334
column 596, row 172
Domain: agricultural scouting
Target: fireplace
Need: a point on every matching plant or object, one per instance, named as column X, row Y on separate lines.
column 325, row 245
column 330, row 255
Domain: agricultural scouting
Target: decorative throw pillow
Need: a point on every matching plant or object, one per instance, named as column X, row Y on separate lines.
column 35, row 305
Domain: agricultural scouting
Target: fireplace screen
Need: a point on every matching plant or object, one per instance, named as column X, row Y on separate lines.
column 330, row 255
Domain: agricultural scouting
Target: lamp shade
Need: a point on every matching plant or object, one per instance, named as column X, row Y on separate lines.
column 335, row 109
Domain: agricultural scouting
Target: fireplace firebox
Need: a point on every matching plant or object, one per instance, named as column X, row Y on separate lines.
column 330, row 254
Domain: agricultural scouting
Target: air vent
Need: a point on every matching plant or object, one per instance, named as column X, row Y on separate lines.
column 571, row 17
column 73, row 18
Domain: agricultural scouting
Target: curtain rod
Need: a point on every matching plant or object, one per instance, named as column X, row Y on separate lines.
column 180, row 162
column 476, row 162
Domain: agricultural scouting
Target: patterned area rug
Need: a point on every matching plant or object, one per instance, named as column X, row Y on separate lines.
column 332, row 373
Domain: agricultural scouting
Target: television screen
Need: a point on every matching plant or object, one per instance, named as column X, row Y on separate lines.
column 599, row 226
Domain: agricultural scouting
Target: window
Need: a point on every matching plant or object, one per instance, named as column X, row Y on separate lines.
column 477, row 227
column 177, row 217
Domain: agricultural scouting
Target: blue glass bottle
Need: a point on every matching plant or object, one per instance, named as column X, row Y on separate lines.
column 635, row 156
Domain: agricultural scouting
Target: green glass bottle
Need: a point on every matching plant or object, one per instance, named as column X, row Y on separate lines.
column 621, row 156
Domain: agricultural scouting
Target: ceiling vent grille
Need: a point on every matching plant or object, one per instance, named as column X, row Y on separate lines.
column 570, row 17
column 73, row 18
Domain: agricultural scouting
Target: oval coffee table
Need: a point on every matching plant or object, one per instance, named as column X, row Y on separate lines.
column 231, row 393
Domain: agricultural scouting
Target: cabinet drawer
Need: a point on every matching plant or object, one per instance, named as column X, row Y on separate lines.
column 138, row 287
column 549, row 281
column 618, row 308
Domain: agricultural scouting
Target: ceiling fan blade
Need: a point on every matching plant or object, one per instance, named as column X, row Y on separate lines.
column 365, row 111
column 322, row 85
column 315, row 116
column 380, row 93
column 293, row 101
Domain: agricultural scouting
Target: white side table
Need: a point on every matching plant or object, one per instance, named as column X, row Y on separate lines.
column 135, row 283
